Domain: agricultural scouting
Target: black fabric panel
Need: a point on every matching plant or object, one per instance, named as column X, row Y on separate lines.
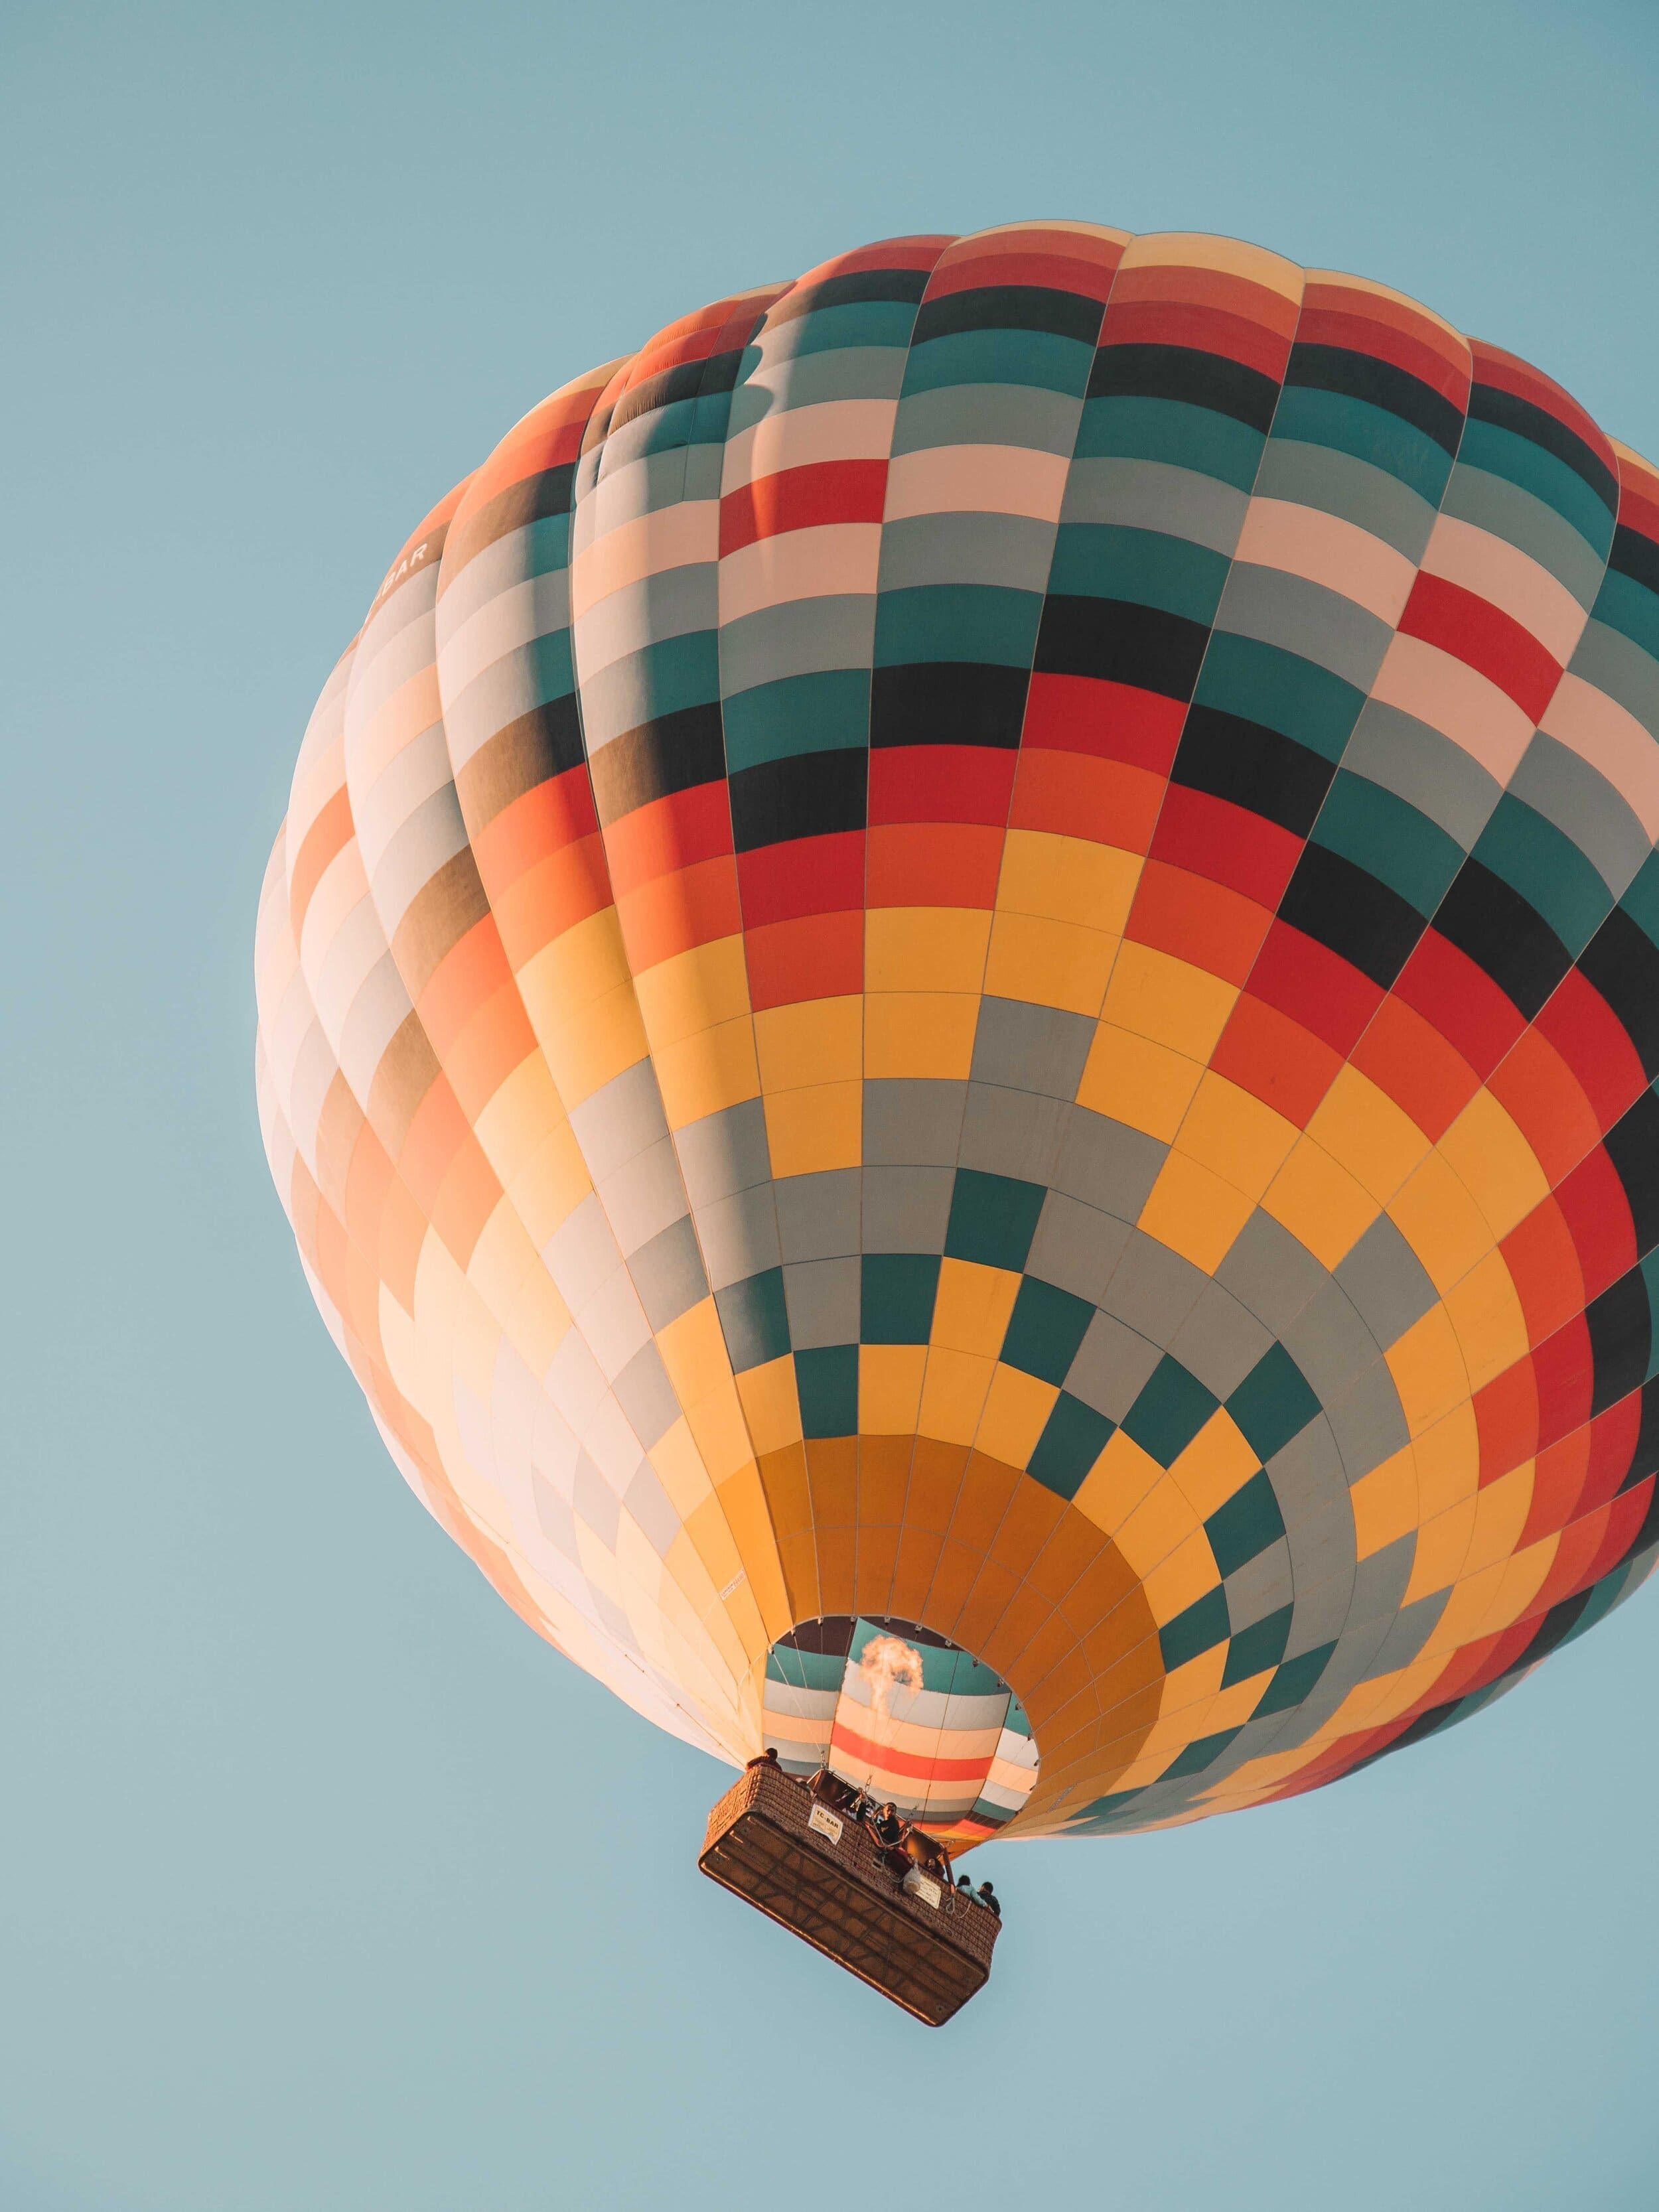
column 1635, row 556
column 1632, row 1146
column 692, row 380
column 1553, row 1632
column 1184, row 372
column 1426, row 1725
column 1346, row 908
column 1361, row 376
column 1620, row 1334
column 808, row 795
column 1010, row 307
column 832, row 1635
column 1253, row 767
column 1496, row 928
column 1119, row 641
column 855, row 289
column 676, row 752
column 1648, row 1531
column 1622, row 961
column 554, row 730
column 1644, row 1460
column 532, row 500
column 947, row 702
column 1507, row 412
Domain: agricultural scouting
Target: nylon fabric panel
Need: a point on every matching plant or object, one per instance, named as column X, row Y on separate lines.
column 973, row 949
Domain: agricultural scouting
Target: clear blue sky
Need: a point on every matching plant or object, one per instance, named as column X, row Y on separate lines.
column 323, row 1885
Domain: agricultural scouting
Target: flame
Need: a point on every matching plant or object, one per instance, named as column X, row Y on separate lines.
column 889, row 1663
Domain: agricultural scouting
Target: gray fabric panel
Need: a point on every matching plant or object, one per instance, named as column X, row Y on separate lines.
column 705, row 468
column 1263, row 1585
column 801, row 1703
column 1108, row 1165
column 647, row 1396
column 1387, row 1282
column 1031, row 1048
column 906, row 1209
column 818, row 1215
column 595, row 1501
column 1012, row 1133
column 426, row 838
column 1608, row 660
column 614, row 1621
column 1321, row 1613
column 1429, row 771
column 1379, row 1581
column 582, row 1254
column 822, row 1297
column 615, row 685
column 1310, row 1484
column 1584, row 807
column 724, row 1153
column 668, row 1273
column 558, row 1523
column 1155, row 495
column 1270, row 1272
column 1307, row 619
column 648, row 1503
column 1322, row 1555
column 797, row 638
column 785, row 378
column 644, row 1195
column 633, row 454
column 1494, row 503
column 1153, row 1288
column 1341, row 484
column 1220, row 1340
column 620, row 1119
column 988, row 415
column 1367, row 1421
column 738, row 1236
column 1112, row 1366
column 1076, row 1247
column 1407, row 1634
column 1329, row 1342
column 629, row 482
column 912, row 1121
column 497, row 695
column 1009, row 551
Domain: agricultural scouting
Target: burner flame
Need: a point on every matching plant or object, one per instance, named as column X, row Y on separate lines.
column 889, row 1663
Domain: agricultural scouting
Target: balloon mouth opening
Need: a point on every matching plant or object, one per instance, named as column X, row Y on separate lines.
column 905, row 1714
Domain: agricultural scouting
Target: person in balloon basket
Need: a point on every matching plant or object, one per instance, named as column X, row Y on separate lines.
column 889, row 1830
column 929, row 1855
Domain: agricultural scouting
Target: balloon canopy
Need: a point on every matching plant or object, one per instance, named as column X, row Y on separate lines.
column 956, row 1011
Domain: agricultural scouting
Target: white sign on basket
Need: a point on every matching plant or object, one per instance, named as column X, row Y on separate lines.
column 823, row 1822
column 922, row 1886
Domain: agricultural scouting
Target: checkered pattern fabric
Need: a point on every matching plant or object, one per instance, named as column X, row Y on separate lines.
column 976, row 944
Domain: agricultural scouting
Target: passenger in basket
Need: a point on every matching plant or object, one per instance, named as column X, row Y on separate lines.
column 926, row 1852
column 888, row 1828
column 988, row 1896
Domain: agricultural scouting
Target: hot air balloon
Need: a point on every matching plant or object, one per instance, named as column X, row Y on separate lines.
column 956, row 1011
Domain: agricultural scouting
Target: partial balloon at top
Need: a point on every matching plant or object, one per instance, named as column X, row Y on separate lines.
column 957, row 1012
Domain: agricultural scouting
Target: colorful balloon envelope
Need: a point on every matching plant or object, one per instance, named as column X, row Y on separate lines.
column 956, row 1011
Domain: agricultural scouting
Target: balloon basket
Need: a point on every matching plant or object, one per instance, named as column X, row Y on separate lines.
column 822, row 1875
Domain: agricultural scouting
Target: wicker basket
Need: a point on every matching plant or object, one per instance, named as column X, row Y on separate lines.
column 823, row 1876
